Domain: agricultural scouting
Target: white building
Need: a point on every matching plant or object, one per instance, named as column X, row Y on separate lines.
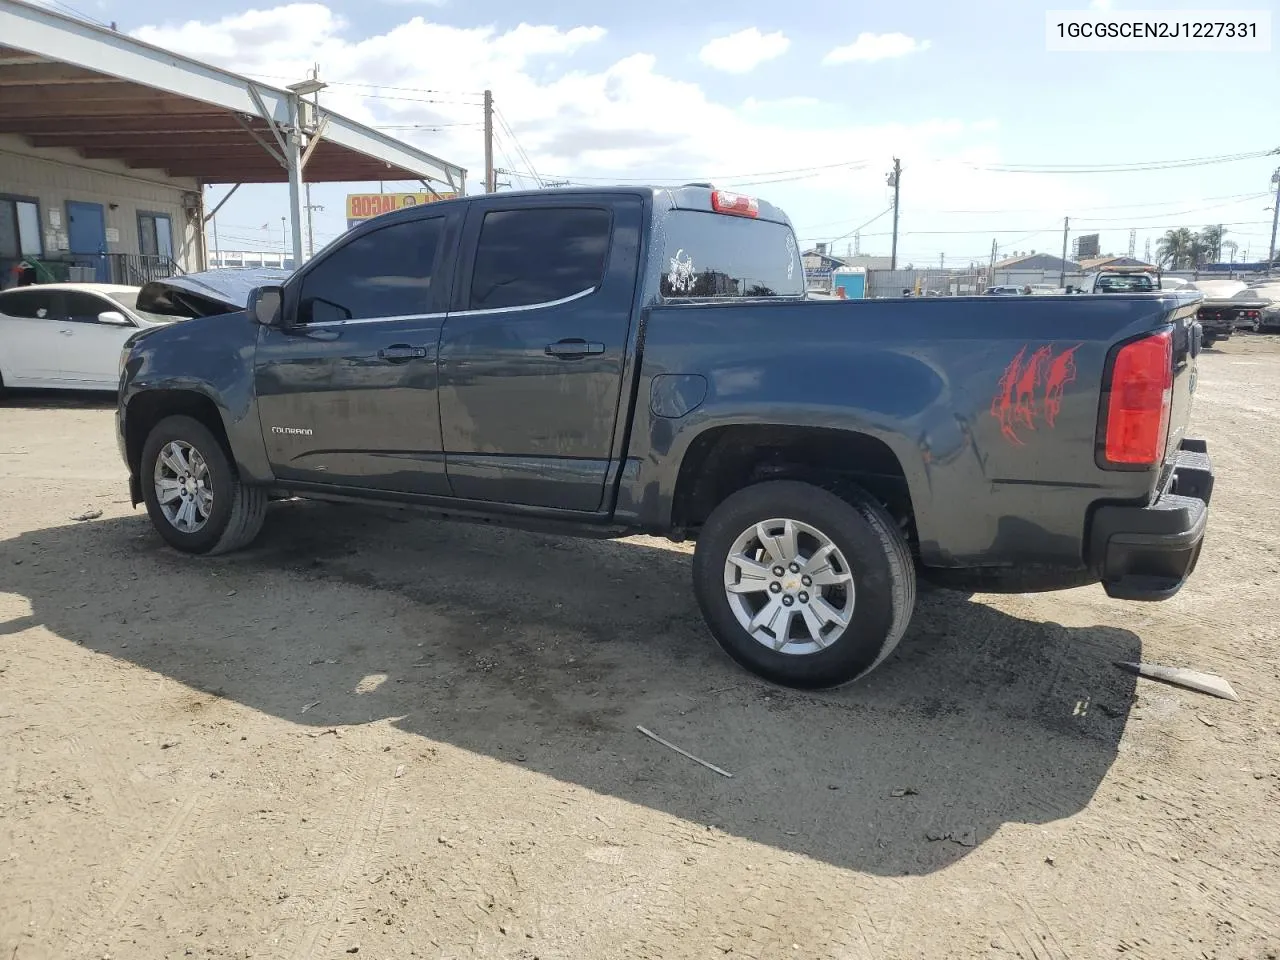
column 107, row 144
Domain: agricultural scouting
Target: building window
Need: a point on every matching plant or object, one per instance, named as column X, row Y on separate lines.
column 155, row 235
column 19, row 228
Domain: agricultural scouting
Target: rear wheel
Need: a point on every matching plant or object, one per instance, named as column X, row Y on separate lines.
column 194, row 497
column 803, row 587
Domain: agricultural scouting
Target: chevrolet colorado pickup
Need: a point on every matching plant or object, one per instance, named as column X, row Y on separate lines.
column 614, row 361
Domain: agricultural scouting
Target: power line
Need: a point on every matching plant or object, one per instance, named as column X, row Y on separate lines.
column 1143, row 167
column 515, row 142
column 80, row 15
column 695, row 177
column 378, row 86
column 434, row 128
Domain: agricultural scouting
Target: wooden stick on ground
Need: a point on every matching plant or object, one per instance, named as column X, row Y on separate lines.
column 684, row 753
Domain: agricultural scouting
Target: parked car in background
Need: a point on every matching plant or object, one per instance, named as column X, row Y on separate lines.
column 68, row 336
column 1229, row 305
column 1003, row 292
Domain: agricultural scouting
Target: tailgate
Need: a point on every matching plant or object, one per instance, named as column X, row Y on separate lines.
column 1186, row 349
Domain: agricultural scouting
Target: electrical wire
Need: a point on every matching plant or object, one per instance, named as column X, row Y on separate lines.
column 1144, row 167
column 515, row 142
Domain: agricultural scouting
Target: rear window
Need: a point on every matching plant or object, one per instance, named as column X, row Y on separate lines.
column 713, row 255
column 1136, row 283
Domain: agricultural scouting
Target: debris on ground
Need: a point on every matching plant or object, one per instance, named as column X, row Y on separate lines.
column 966, row 838
column 400, row 771
column 684, row 753
column 88, row 515
column 905, row 792
column 308, row 706
column 1179, row 677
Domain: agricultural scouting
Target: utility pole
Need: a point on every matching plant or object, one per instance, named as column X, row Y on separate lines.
column 490, row 186
column 895, row 180
column 991, row 271
column 1062, row 276
column 217, row 254
column 857, row 243
column 1275, row 220
column 311, row 236
column 1133, row 243
column 942, row 261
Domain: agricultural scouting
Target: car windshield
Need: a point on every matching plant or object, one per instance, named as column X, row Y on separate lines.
column 129, row 301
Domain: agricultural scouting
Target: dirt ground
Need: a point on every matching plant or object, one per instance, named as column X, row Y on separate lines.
column 376, row 733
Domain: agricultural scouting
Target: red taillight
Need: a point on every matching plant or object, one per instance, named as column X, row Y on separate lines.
column 1139, row 402
column 735, row 204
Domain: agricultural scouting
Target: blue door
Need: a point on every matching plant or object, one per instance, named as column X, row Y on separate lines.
column 87, row 235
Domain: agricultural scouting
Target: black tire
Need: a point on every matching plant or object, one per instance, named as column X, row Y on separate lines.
column 238, row 509
column 876, row 553
column 1208, row 340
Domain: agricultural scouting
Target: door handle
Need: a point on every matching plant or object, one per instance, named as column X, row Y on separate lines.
column 402, row 351
column 573, row 348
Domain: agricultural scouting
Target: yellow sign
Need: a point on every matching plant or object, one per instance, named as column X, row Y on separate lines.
column 362, row 206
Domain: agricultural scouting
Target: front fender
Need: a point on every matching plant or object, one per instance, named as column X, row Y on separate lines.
column 210, row 358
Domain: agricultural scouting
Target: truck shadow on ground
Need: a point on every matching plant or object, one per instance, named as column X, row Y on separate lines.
column 547, row 652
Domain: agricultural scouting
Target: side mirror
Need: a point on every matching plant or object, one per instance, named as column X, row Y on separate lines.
column 115, row 318
column 265, row 305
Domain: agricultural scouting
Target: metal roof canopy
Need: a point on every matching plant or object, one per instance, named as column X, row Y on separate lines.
column 67, row 83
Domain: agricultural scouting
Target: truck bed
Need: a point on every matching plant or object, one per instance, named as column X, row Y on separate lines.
column 991, row 407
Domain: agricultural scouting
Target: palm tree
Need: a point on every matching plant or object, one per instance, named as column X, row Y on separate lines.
column 1175, row 250
column 1210, row 243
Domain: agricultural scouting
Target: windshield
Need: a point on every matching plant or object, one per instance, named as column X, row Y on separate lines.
column 129, row 301
column 1126, row 283
column 713, row 255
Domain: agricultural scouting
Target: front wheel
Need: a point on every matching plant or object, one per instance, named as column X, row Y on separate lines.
column 805, row 588
column 194, row 497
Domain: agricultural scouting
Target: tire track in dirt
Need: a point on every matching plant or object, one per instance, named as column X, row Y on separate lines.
column 146, row 867
column 360, row 832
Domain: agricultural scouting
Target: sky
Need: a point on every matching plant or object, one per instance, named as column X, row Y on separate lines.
column 806, row 106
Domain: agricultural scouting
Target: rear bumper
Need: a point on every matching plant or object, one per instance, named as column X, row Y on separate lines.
column 1147, row 553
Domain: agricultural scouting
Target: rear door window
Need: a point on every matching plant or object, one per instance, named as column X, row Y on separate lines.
column 538, row 255
column 723, row 257
column 28, row 304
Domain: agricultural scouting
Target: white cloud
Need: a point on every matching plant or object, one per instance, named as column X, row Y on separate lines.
column 743, row 51
column 413, row 3
column 624, row 121
column 870, row 47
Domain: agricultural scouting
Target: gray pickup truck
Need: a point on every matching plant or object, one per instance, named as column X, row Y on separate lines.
column 625, row 360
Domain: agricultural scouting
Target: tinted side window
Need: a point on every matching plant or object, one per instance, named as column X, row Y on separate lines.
column 386, row 273
column 31, row 304
column 538, row 255
column 84, row 307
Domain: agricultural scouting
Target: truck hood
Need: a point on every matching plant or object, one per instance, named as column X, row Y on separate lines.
column 208, row 294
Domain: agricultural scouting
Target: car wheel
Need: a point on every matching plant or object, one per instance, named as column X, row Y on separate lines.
column 194, row 497
column 802, row 587
column 1208, row 340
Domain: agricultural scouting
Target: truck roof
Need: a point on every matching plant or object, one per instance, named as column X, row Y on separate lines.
column 687, row 197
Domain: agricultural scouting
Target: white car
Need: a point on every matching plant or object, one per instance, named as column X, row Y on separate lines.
column 68, row 336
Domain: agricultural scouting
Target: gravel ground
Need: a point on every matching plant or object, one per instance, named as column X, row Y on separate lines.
column 375, row 733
